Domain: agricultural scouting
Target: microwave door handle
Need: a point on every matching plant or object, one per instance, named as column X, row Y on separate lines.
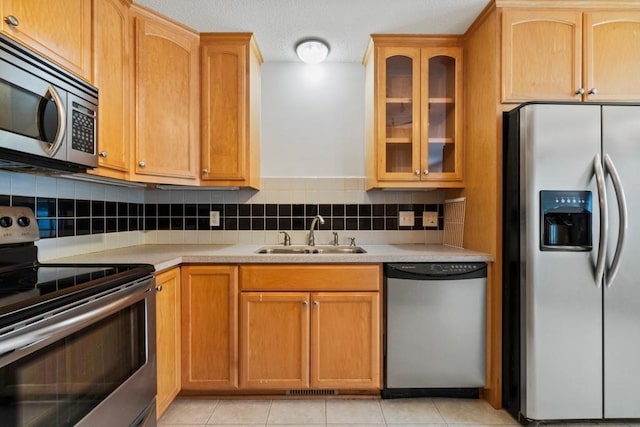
column 57, row 142
column 623, row 216
column 604, row 223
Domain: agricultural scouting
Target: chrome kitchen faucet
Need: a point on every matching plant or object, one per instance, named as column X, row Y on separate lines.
column 311, row 241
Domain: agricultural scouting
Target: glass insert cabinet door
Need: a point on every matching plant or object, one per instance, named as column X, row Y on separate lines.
column 418, row 122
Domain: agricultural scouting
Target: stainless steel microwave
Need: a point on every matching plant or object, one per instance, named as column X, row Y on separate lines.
column 48, row 116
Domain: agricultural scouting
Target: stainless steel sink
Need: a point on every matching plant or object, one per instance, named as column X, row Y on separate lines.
column 304, row 249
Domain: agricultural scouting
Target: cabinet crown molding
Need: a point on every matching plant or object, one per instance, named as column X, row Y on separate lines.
column 571, row 4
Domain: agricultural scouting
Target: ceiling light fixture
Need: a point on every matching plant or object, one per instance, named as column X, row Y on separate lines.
column 312, row 51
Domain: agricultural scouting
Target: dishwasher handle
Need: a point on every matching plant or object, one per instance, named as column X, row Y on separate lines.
column 436, row 271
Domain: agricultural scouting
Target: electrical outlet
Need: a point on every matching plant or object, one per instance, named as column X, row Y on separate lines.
column 406, row 219
column 214, row 219
column 429, row 219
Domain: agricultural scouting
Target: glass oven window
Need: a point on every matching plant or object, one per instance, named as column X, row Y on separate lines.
column 59, row 384
column 29, row 114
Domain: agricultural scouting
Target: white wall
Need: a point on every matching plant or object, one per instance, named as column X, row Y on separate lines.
column 312, row 120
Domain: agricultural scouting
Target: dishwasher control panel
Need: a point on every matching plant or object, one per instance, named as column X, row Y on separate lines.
column 436, row 270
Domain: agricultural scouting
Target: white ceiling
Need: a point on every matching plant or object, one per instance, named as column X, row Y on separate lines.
column 345, row 24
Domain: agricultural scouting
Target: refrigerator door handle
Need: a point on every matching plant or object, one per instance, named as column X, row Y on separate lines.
column 622, row 212
column 604, row 223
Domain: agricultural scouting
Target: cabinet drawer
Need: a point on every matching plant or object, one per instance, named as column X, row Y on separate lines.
column 311, row 277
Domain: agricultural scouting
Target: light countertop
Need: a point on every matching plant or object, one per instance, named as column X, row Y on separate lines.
column 166, row 256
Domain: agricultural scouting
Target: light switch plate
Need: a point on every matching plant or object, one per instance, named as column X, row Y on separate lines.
column 407, row 219
column 214, row 218
column 429, row 219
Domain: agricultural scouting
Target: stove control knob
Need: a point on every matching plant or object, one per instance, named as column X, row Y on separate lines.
column 6, row 222
column 24, row 221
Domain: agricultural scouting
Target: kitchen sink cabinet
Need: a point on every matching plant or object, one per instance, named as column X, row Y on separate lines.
column 112, row 75
column 58, row 29
column 274, row 340
column 299, row 336
column 570, row 55
column 166, row 106
column 168, row 337
column 414, row 112
column 230, row 110
column 209, row 327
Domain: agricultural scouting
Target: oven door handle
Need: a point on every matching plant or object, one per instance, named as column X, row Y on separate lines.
column 19, row 343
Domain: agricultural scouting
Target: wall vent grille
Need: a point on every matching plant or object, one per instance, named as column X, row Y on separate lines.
column 304, row 392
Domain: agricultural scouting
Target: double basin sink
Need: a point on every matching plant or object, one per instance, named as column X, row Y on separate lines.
column 305, row 249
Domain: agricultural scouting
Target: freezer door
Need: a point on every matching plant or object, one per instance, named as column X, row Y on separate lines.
column 562, row 323
column 621, row 141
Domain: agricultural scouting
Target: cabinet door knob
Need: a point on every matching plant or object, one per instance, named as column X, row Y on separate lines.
column 426, row 171
column 580, row 91
column 417, row 172
column 159, row 288
column 305, row 303
column 104, row 154
column 205, row 171
column 142, row 164
column 11, row 20
column 593, row 91
column 316, row 303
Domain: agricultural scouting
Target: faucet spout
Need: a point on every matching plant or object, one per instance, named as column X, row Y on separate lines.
column 312, row 238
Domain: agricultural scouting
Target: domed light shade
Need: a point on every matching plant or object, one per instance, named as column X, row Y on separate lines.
column 312, row 51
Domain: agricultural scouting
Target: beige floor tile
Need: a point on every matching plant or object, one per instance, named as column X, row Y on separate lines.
column 354, row 412
column 241, row 412
column 188, row 411
column 471, row 411
column 297, row 412
column 417, row 411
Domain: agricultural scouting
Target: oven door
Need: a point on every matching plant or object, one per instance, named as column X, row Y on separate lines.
column 90, row 363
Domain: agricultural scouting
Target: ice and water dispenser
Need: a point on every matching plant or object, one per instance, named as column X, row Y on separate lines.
column 565, row 220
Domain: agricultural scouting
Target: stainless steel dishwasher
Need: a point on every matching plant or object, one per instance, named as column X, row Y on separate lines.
column 435, row 323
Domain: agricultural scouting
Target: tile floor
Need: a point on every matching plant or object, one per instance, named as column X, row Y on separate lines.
column 423, row 412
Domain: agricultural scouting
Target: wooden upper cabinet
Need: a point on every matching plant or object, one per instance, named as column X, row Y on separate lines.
column 441, row 107
column 612, row 55
column 230, row 110
column 541, row 55
column 166, row 82
column 168, row 336
column 112, row 76
column 398, row 107
column 570, row 55
column 414, row 112
column 209, row 327
column 58, row 29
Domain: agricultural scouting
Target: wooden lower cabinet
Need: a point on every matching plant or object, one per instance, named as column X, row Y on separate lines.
column 274, row 340
column 168, row 337
column 209, row 327
column 345, row 340
column 308, row 338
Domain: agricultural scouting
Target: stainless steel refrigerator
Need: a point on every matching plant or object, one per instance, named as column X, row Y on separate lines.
column 571, row 261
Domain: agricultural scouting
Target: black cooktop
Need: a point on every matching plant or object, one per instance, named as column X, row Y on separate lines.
column 43, row 287
column 28, row 286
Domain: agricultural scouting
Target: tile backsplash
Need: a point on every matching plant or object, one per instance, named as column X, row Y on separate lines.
column 76, row 216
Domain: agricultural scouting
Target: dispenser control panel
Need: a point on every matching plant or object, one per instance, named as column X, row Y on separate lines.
column 566, row 220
